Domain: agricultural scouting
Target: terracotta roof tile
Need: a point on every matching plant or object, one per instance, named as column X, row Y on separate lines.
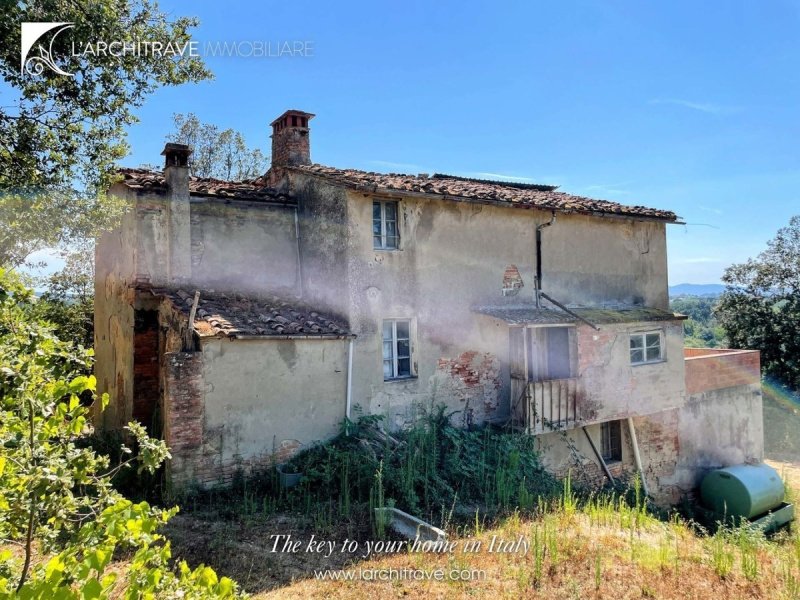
column 233, row 315
column 253, row 190
column 481, row 190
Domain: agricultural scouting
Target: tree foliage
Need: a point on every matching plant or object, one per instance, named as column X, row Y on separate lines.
column 760, row 308
column 57, row 504
column 68, row 302
column 61, row 136
column 219, row 154
column 701, row 329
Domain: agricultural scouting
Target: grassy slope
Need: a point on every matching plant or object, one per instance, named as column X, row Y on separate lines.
column 598, row 553
column 602, row 553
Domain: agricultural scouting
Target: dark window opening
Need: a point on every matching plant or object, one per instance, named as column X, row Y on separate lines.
column 146, row 384
column 611, row 441
column 549, row 353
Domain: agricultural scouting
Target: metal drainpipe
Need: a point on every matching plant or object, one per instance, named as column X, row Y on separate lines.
column 538, row 279
column 349, row 384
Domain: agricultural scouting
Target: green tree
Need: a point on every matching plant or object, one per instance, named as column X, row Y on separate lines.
column 760, row 308
column 56, row 498
column 701, row 329
column 219, row 154
column 61, row 136
column 68, row 302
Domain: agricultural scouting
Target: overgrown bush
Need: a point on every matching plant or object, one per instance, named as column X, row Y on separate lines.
column 428, row 470
column 61, row 520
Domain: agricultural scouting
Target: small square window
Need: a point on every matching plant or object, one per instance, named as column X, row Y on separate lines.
column 646, row 347
column 385, row 230
column 396, row 349
column 611, row 441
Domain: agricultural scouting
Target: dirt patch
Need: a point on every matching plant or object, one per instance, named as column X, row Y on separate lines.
column 243, row 548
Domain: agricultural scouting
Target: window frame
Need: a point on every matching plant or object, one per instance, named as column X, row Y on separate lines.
column 642, row 335
column 611, row 442
column 395, row 352
column 383, row 235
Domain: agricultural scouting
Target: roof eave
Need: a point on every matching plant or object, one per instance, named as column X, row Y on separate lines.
column 238, row 336
column 389, row 192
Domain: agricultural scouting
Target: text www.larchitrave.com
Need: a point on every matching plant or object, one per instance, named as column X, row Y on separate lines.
column 401, row 575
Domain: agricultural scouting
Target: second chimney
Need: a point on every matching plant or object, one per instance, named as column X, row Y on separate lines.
column 176, row 176
column 290, row 143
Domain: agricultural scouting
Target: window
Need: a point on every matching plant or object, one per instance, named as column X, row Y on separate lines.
column 385, row 234
column 611, row 441
column 396, row 349
column 646, row 347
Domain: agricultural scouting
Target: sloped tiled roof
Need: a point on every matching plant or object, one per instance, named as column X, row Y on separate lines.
column 234, row 316
column 253, row 190
column 530, row 315
column 482, row 191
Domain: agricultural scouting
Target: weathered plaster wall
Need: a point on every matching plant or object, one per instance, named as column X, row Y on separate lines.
column 720, row 428
column 322, row 214
column 612, row 388
column 454, row 256
column 115, row 272
column 265, row 397
column 591, row 260
column 243, row 246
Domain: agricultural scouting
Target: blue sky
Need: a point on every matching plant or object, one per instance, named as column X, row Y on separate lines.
column 682, row 105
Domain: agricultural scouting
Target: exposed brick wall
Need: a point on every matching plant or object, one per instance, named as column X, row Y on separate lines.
column 727, row 368
column 291, row 146
column 659, row 448
column 197, row 450
column 183, row 413
column 469, row 383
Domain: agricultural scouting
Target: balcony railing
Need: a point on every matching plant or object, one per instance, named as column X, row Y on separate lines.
column 549, row 405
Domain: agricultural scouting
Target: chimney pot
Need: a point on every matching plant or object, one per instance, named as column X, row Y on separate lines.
column 290, row 139
column 176, row 155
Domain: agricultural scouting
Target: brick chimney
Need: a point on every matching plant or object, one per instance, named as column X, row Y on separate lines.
column 290, row 143
column 176, row 176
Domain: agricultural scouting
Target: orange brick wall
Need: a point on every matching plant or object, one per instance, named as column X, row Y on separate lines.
column 723, row 368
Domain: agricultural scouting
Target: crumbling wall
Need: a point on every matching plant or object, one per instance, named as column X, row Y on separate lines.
column 253, row 403
column 569, row 453
column 439, row 275
column 659, row 448
column 115, row 275
column 613, row 388
column 184, row 415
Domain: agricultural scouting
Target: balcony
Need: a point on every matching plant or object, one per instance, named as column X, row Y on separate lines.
column 544, row 406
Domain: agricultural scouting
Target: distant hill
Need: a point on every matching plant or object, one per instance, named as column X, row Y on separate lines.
column 696, row 289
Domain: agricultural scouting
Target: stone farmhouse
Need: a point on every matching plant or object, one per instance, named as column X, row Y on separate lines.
column 245, row 320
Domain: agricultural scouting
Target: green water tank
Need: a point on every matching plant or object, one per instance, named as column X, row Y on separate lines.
column 743, row 490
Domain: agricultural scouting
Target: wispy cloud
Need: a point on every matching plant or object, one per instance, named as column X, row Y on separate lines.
column 709, row 209
column 706, row 107
column 485, row 175
column 606, row 189
column 405, row 167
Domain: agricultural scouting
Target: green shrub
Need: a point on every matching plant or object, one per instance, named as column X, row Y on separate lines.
column 56, row 496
